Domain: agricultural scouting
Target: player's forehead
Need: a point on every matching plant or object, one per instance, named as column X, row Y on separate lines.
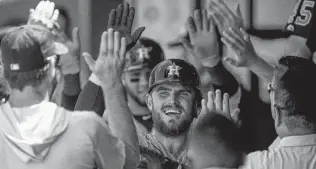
column 173, row 86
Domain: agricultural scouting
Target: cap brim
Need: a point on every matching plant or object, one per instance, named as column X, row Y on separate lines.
column 136, row 67
column 60, row 49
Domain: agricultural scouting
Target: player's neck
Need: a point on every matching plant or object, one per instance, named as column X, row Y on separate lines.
column 28, row 97
column 175, row 145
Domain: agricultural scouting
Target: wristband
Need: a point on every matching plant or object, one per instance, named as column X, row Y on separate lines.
column 94, row 79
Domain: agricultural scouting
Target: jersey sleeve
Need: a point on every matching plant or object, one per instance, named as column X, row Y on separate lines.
column 300, row 21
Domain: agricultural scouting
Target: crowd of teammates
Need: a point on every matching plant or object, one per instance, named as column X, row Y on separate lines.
column 141, row 110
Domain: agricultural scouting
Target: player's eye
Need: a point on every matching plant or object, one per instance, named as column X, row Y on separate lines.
column 184, row 94
column 134, row 80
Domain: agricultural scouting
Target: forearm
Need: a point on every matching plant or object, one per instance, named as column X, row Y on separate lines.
column 119, row 116
column 269, row 49
column 272, row 50
column 262, row 69
column 91, row 98
column 222, row 79
column 71, row 91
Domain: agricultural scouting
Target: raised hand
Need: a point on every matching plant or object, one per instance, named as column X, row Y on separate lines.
column 44, row 14
column 204, row 43
column 224, row 17
column 217, row 104
column 70, row 63
column 121, row 20
column 239, row 42
column 110, row 63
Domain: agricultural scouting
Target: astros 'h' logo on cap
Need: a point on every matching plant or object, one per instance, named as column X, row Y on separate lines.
column 174, row 70
column 143, row 53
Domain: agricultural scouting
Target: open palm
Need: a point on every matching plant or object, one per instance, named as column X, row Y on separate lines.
column 121, row 20
column 204, row 45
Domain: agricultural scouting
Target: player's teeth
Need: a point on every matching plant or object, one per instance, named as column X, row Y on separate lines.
column 172, row 111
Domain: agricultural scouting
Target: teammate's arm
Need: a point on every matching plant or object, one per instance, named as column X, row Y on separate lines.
column 109, row 68
column 271, row 50
column 71, row 91
column 91, row 97
column 298, row 27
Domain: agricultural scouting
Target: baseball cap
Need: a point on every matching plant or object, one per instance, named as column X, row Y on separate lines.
column 27, row 48
column 147, row 53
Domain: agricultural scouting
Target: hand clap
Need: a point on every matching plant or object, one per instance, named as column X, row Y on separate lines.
column 239, row 42
column 110, row 63
column 204, row 46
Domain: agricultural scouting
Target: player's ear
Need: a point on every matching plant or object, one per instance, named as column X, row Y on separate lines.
column 123, row 79
column 149, row 102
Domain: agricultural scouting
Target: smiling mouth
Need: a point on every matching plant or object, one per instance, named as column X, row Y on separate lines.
column 172, row 112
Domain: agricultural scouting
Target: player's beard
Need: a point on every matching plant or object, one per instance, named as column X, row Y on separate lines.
column 171, row 130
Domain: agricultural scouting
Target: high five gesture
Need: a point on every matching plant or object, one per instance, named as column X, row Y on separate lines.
column 109, row 65
column 121, row 20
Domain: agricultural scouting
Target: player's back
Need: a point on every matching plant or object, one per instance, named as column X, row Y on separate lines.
column 291, row 152
column 74, row 140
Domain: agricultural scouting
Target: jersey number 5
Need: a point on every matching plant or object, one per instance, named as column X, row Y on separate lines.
column 305, row 13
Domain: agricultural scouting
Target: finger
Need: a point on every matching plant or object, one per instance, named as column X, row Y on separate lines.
column 238, row 11
column 229, row 44
column 125, row 14
column 46, row 9
column 238, row 35
column 223, row 9
column 111, row 21
column 214, row 8
column 89, row 60
column 231, row 61
column 211, row 24
column 235, row 116
column 31, row 11
column 198, row 20
column 190, row 26
column 55, row 15
column 50, row 10
column 123, row 49
column 119, row 11
column 76, row 37
column 226, row 109
column 39, row 9
column 104, row 44
column 210, row 101
column 117, row 43
column 205, row 21
column 187, row 45
column 218, row 19
column 130, row 19
column 38, row 5
column 233, row 41
column 110, row 42
column 245, row 34
column 203, row 110
column 218, row 100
